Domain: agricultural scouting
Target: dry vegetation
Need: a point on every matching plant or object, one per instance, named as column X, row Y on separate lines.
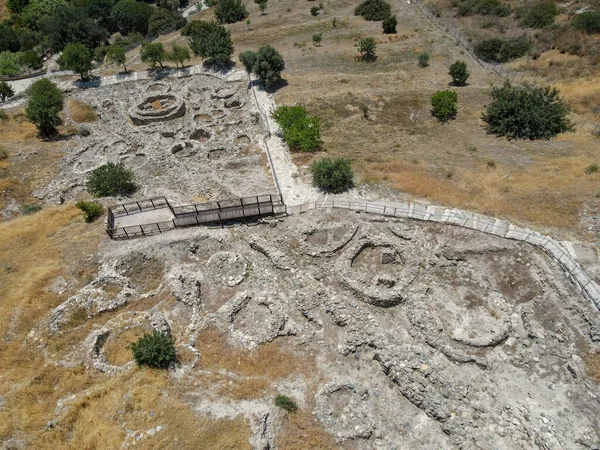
column 301, row 431
column 4, row 12
column 80, row 112
column 592, row 362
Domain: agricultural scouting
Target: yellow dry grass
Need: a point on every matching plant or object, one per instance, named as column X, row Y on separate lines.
column 117, row 348
column 301, row 431
column 4, row 12
column 156, row 105
column 582, row 94
column 592, row 361
column 80, row 112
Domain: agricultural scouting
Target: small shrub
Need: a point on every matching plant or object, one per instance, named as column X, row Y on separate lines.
column 30, row 209
column 84, row 131
column 230, row 11
column 91, row 210
column 334, row 22
column 6, row 91
column 483, row 8
column 527, row 112
column 389, row 25
column 3, row 153
column 588, row 21
column 502, row 50
column 154, row 350
column 367, row 48
column 423, row 59
column 444, row 105
column 459, row 73
column 540, row 15
column 248, row 59
column 111, row 180
column 332, row 175
column 286, row 403
column 491, row 164
column 3, row 115
column 592, row 168
column 314, row 11
column 317, row 38
column 373, row 10
column 300, row 131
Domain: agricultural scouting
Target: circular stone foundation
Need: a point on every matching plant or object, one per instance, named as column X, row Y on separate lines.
column 157, row 108
column 227, row 267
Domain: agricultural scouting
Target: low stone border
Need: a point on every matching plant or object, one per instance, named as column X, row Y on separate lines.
column 473, row 221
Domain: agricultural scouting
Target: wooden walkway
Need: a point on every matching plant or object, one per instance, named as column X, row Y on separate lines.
column 219, row 213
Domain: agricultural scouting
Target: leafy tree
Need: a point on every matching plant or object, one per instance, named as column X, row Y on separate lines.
column 153, row 53
column 317, row 38
column 70, row 24
column 9, row 40
column 373, row 10
column 300, row 131
column 389, row 25
column 459, row 73
column 37, row 10
column 248, row 59
column 286, row 403
column 45, row 101
column 91, row 210
column 116, row 55
column 423, row 59
column 230, row 11
column 262, row 5
column 527, row 112
column 31, row 59
column 211, row 41
column 589, row 21
column 98, row 10
column 444, row 105
column 502, row 50
column 6, row 91
column 332, row 175
column 9, row 63
column 367, row 48
column 111, row 180
column 16, row 6
column 132, row 16
column 76, row 57
column 314, row 11
column 268, row 65
column 163, row 21
column 154, row 350
column 541, row 15
column 179, row 54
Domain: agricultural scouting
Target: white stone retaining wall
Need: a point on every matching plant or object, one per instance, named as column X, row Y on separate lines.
column 473, row 221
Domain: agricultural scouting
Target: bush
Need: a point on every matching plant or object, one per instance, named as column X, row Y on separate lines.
column 483, row 8
column 389, row 25
column 111, row 180
column 459, row 73
column 230, row 11
column 317, row 38
column 286, row 403
column 588, row 21
column 76, row 57
column 502, row 50
column 248, row 59
column 444, row 105
column 163, row 21
column 210, row 41
column 526, row 112
column 423, row 59
column 154, row 350
column 332, row 175
column 367, row 48
column 6, row 91
column 10, row 63
column 300, row 131
column 373, row 10
column 84, row 131
column 592, row 168
column 268, row 65
column 91, row 210
column 31, row 60
column 3, row 153
column 314, row 11
column 45, row 101
column 540, row 15
column 30, row 209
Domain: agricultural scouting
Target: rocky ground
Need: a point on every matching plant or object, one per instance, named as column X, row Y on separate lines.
column 423, row 335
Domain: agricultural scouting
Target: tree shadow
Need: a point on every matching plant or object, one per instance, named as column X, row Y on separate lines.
column 92, row 82
column 222, row 68
column 271, row 89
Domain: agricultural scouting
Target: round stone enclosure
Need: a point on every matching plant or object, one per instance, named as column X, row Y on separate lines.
column 157, row 108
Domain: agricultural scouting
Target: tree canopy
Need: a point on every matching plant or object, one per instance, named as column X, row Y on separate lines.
column 45, row 101
column 76, row 57
column 211, row 41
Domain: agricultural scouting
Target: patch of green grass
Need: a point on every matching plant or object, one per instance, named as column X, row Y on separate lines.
column 286, row 403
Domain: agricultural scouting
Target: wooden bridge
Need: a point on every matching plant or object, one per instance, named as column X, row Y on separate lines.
column 156, row 215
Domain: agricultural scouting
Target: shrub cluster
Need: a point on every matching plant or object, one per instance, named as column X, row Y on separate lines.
column 300, row 131
column 588, row 21
column 16, row 63
column 373, row 10
column 367, row 48
column 459, row 73
column 332, row 175
column 91, row 210
column 444, row 105
column 111, row 180
column 154, row 350
column 482, row 7
column 286, row 403
column 540, row 15
column 526, row 112
column 502, row 50
column 389, row 24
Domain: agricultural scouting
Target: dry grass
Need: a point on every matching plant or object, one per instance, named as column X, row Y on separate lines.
column 117, row 349
column 301, row 431
column 592, row 362
column 145, row 274
column 80, row 112
column 4, row 12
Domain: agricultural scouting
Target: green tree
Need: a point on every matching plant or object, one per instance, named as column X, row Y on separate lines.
column 111, row 180
column 314, row 11
column 31, row 59
column 527, row 112
column 45, row 102
column 68, row 25
column 248, row 59
column 541, row 15
column 116, row 55
column 37, row 10
column 268, row 65
column 76, row 57
column 589, row 21
column 373, row 10
column 163, row 21
column 444, row 105
column 16, row 6
column 154, row 350
column 389, row 25
column 6, row 91
column 10, row 63
column 332, row 175
column 459, row 73
column 179, row 54
column 367, row 48
column 211, row 41
column 230, row 11
column 9, row 39
column 423, row 59
column 153, row 54
column 132, row 16
column 317, row 38
column 262, row 5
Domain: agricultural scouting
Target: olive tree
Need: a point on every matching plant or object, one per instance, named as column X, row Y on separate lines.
column 45, row 101
column 76, row 57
